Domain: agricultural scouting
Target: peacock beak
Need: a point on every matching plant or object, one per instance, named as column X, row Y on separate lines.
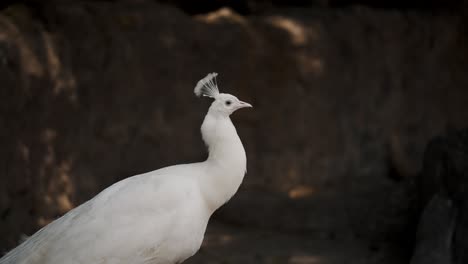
column 243, row 105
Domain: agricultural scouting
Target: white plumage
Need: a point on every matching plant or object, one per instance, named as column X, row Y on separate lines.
column 158, row 217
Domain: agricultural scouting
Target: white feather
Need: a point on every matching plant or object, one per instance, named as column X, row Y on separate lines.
column 158, row 217
column 207, row 86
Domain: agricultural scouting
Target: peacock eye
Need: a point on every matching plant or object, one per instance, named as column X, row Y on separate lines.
column 228, row 102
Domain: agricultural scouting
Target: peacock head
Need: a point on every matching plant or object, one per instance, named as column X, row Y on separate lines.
column 223, row 104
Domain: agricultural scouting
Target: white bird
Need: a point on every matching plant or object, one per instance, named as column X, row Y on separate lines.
column 158, row 217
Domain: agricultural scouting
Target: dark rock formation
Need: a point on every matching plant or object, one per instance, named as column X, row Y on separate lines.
column 345, row 101
column 443, row 228
column 435, row 232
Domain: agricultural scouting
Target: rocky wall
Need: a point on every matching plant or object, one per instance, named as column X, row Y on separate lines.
column 345, row 101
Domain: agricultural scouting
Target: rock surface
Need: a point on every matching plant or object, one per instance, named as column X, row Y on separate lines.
column 345, row 102
column 443, row 228
column 225, row 244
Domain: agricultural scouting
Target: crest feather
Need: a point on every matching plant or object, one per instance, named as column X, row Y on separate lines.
column 207, row 86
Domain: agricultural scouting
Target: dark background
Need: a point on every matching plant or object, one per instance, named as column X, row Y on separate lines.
column 347, row 95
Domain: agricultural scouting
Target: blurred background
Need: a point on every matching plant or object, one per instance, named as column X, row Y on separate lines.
column 347, row 96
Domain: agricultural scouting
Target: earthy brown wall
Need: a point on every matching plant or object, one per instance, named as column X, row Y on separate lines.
column 345, row 101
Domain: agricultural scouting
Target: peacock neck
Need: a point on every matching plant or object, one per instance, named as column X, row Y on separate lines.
column 226, row 163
